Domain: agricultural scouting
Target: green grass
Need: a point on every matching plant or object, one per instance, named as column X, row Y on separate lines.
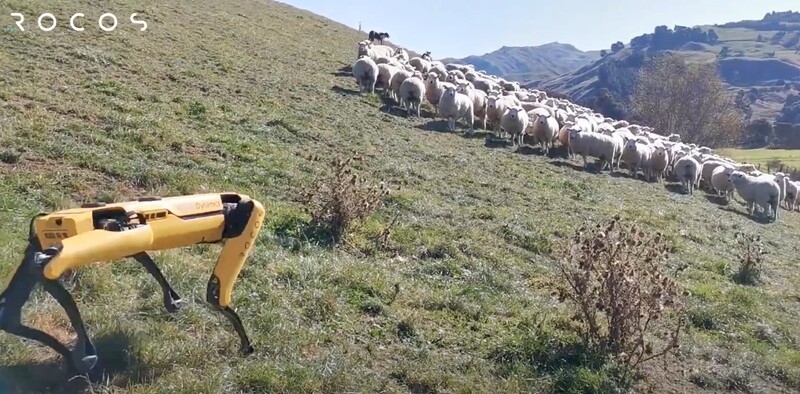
column 743, row 43
column 790, row 158
column 215, row 97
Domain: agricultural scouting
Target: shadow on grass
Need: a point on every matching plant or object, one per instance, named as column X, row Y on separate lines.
column 294, row 232
column 718, row 200
column 115, row 366
column 439, row 126
column 529, row 150
column 591, row 167
column 570, row 365
column 344, row 71
column 341, row 90
column 619, row 174
column 760, row 219
column 675, row 188
column 492, row 142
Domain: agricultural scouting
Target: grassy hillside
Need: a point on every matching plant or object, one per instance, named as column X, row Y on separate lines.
column 526, row 64
column 214, row 97
column 757, row 62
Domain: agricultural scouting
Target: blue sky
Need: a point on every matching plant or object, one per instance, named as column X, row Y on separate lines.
column 450, row 28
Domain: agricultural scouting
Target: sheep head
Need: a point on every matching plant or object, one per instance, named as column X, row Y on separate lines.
column 432, row 78
column 737, row 177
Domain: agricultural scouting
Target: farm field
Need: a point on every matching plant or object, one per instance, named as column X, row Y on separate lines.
column 763, row 157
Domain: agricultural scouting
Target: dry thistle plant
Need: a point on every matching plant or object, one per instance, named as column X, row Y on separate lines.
column 751, row 260
column 339, row 202
column 613, row 276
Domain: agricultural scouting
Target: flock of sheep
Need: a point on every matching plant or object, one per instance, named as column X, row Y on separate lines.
column 460, row 93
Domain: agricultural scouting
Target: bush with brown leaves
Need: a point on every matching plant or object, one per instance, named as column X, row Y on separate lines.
column 751, row 260
column 613, row 276
column 339, row 202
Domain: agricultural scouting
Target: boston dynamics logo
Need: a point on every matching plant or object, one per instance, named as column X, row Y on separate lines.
column 106, row 22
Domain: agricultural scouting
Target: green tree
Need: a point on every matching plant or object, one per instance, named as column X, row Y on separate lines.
column 688, row 99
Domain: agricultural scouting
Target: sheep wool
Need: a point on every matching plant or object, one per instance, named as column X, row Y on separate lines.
column 455, row 106
column 514, row 121
column 545, row 130
column 478, row 98
column 588, row 143
column 636, row 155
column 720, row 181
column 412, row 90
column 757, row 191
column 365, row 72
column 687, row 170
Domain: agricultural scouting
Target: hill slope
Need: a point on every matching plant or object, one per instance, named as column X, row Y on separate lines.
column 213, row 98
column 526, row 64
column 756, row 61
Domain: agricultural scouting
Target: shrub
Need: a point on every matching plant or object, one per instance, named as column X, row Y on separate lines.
column 613, row 277
column 340, row 202
column 751, row 260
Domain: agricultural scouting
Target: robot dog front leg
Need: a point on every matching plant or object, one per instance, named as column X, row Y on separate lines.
column 28, row 275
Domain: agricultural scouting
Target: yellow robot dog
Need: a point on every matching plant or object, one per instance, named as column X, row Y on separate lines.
column 97, row 232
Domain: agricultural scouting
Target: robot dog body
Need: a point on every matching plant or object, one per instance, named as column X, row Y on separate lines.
column 97, row 232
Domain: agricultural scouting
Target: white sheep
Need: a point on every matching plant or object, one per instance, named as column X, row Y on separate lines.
column 486, row 85
column 388, row 60
column 420, row 64
column 636, row 155
column 781, row 179
column 792, row 191
column 659, row 161
column 455, row 106
column 478, row 98
column 757, row 191
column 365, row 71
column 366, row 48
column 441, row 72
column 434, row 88
column 401, row 54
column 720, row 181
column 514, row 121
column 563, row 137
column 385, row 74
column 620, row 124
column 397, row 80
column 708, row 169
column 687, row 170
column 495, row 108
column 544, row 131
column 455, row 75
column 412, row 90
column 587, row 143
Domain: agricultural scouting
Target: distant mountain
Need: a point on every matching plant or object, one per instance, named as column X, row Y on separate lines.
column 535, row 63
column 759, row 60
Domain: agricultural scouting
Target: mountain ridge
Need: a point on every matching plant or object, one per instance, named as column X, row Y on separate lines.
column 527, row 63
column 759, row 62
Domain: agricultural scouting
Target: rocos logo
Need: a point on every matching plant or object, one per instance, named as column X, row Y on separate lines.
column 107, row 22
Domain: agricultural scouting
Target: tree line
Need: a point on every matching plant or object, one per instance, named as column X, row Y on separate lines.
column 665, row 92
